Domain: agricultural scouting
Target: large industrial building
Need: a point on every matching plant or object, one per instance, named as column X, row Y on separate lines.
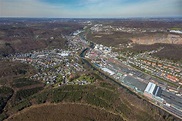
column 108, row 71
column 153, row 91
column 149, row 89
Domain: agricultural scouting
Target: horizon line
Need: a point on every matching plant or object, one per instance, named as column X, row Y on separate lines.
column 91, row 17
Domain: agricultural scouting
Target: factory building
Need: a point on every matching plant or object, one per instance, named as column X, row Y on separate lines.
column 108, row 71
column 157, row 91
column 157, row 94
column 153, row 91
column 149, row 89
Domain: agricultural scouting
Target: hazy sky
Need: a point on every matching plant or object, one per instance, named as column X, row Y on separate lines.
column 90, row 8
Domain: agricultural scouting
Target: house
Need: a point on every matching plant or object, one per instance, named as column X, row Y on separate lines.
column 172, row 78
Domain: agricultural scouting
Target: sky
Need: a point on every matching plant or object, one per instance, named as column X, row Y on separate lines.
column 90, row 8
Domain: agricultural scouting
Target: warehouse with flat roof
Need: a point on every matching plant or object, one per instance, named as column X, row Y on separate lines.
column 153, row 91
column 149, row 89
column 108, row 71
column 157, row 91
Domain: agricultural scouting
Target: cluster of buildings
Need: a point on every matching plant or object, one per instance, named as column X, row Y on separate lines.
column 100, row 50
column 103, row 48
column 76, row 43
column 136, row 80
column 51, row 64
column 164, row 99
column 57, row 65
column 161, row 68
